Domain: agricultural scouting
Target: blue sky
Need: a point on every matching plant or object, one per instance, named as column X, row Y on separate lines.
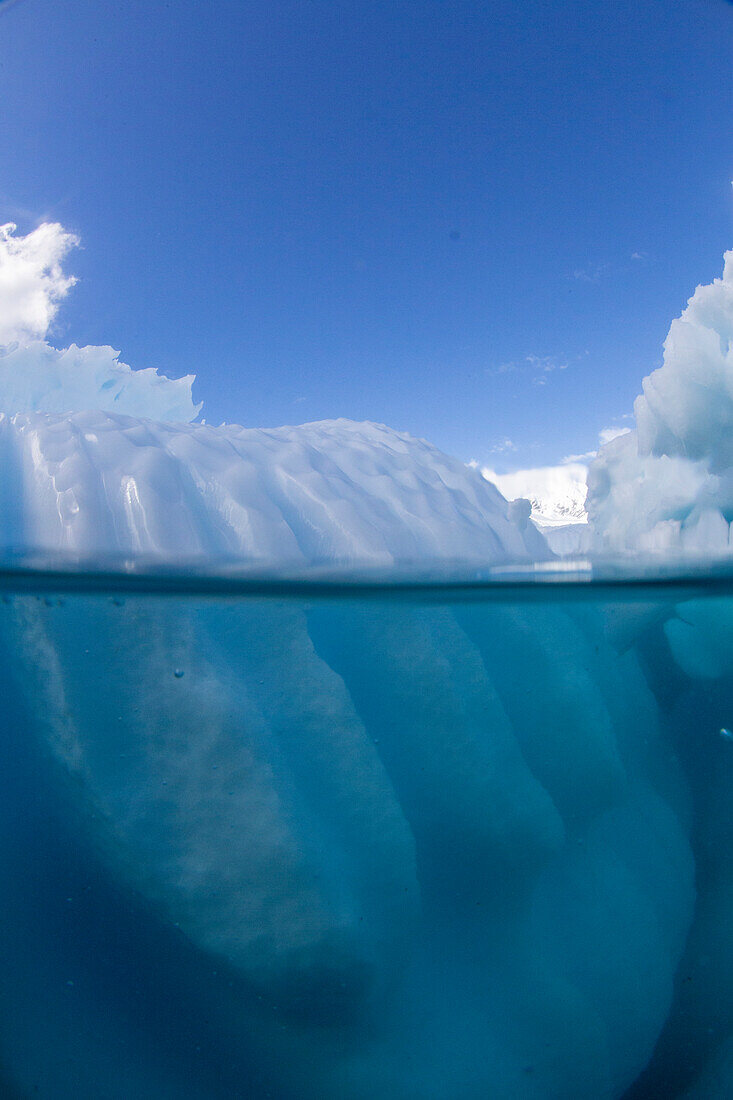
column 473, row 221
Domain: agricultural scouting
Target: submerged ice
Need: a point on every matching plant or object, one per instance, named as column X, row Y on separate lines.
column 436, row 851
column 363, row 847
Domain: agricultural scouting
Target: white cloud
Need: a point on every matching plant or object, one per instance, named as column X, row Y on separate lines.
column 590, row 274
column 538, row 365
column 607, row 434
column 503, row 445
column 546, row 363
column 32, row 282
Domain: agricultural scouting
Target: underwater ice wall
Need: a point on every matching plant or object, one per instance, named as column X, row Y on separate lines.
column 391, row 849
column 687, row 654
column 668, row 485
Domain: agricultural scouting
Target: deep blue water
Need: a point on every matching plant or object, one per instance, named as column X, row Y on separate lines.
column 346, row 842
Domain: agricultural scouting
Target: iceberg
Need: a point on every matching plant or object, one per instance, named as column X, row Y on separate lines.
column 392, row 835
column 100, row 459
column 95, row 483
column 667, row 486
column 318, row 844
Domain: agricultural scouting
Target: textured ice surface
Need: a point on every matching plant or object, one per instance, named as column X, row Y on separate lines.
column 98, row 483
column 668, row 485
column 34, row 377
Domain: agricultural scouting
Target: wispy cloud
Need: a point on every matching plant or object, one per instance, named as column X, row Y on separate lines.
column 547, row 363
column 503, row 446
column 542, row 365
column 591, row 273
column 639, row 255
column 535, row 365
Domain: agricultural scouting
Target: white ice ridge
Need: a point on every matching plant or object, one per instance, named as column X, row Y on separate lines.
column 96, row 482
column 668, row 485
column 34, row 377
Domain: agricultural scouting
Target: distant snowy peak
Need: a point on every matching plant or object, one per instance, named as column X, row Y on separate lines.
column 556, row 493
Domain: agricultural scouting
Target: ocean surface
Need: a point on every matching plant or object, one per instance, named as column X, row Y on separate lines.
column 351, row 837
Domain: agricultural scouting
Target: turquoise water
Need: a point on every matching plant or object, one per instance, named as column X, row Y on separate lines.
column 317, row 839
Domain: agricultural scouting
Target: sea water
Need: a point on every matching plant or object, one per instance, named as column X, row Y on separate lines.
column 314, row 840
